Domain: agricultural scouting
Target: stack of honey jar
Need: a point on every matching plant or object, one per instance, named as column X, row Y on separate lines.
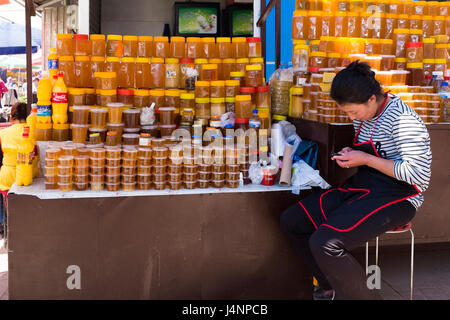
column 406, row 43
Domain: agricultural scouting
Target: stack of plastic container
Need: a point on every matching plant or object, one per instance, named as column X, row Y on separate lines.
column 159, row 163
column 65, row 171
column 113, row 168
column 129, row 168
column 175, row 167
column 81, row 172
column 144, row 168
column 51, row 168
column 97, row 168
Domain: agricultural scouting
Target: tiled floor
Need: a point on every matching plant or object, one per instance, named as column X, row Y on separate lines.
column 431, row 274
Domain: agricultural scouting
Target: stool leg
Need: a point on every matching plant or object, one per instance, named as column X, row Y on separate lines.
column 367, row 258
column 376, row 251
column 412, row 263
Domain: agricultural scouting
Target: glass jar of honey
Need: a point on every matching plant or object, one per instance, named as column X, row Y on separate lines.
column 209, row 48
column 112, row 64
column 114, row 45
column 127, row 72
column 98, row 45
column 224, row 47
column 172, row 73
column 157, row 73
column 142, row 79
column 83, row 75
column 209, row 72
column 82, row 44
column 145, row 46
column 141, row 98
column 239, row 47
column 67, row 67
column 130, row 46
column 194, row 48
column 177, row 47
column 253, row 76
column 65, row 45
column 161, row 47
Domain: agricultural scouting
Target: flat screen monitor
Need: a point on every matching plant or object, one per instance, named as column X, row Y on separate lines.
column 196, row 19
column 242, row 21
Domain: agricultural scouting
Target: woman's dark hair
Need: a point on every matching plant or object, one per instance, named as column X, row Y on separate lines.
column 355, row 84
column 19, row 111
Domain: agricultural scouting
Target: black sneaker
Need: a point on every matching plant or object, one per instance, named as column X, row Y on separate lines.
column 321, row 294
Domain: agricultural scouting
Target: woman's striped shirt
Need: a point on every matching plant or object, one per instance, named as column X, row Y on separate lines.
column 401, row 135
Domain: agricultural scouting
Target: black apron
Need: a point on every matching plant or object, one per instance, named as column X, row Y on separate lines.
column 346, row 206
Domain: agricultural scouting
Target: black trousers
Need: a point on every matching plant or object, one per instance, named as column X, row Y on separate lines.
column 326, row 252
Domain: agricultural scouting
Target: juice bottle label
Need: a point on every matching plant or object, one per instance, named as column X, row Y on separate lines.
column 44, row 111
column 59, row 97
column 53, row 64
column 254, row 124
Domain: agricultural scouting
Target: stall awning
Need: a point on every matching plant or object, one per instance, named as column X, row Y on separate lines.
column 12, row 40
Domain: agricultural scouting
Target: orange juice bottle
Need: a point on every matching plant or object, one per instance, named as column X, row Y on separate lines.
column 31, row 122
column 59, row 101
column 44, row 95
column 53, row 63
column 25, row 156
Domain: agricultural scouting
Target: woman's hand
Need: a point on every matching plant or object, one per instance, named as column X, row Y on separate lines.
column 351, row 158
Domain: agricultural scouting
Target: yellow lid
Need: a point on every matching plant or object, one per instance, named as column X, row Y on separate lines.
column 263, row 115
column 400, row 59
column 327, row 14
column 391, row 16
column 82, row 58
column 43, row 126
column 157, row 93
column 209, row 40
column 314, row 42
column 223, row 40
column 187, row 96
column 444, row 61
column 301, row 13
column 128, row 59
column 386, row 41
column 428, row 61
column 202, row 100
column 218, row 83
column 108, row 92
column 415, row 65
column 427, row 18
column 242, row 60
column 405, row 31
column 217, row 100
column 333, row 55
column 353, row 14
column 64, row 36
column 297, row 90
column 415, row 31
column 438, row 18
column 145, row 38
column 315, row 13
column 340, row 14
column 246, row 97
column 89, row 90
column 415, row 17
column 209, row 66
column 229, row 60
column 278, row 117
column 299, row 41
column 441, row 46
column 257, row 60
column 403, row 16
column 236, row 74
column 200, row 61
column 142, row 60
column 216, row 61
column 112, row 59
column 97, row 37
column 193, row 39
column 115, row 37
column 318, row 54
column 301, row 46
column 253, row 67
column 172, row 60
column 141, row 92
column 429, row 40
column 239, row 40
column 130, row 38
column 232, row 83
column 59, row 126
column 106, row 75
column 230, row 99
column 177, row 39
column 161, row 39
column 202, row 83
column 172, row 93
column 98, row 59
column 157, row 60
column 65, row 58
column 76, row 91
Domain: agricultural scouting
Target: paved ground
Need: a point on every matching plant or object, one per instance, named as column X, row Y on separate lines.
column 431, row 273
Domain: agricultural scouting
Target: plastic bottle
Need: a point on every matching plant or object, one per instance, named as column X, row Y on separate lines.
column 25, row 155
column 53, row 63
column 254, row 122
column 31, row 122
column 59, row 101
column 54, row 79
column 444, row 94
column 44, row 95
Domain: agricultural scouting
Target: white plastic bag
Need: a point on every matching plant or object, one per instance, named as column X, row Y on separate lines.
column 148, row 115
column 305, row 177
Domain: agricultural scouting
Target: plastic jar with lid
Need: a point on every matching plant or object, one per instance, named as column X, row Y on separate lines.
column 76, row 97
column 82, row 69
column 106, row 96
column 187, row 101
column 157, row 97
column 230, row 104
column 65, row 45
column 145, row 46
column 172, row 99
column 209, row 72
column 440, row 51
column 300, row 58
column 130, row 46
column 177, row 47
column 187, row 68
column 239, row 76
column 244, row 106
column 112, row 64
column 60, row 132
column 131, row 118
column 127, row 73
column 414, row 52
column 217, row 106
column 365, row 18
column 415, row 22
column 228, row 66
column 296, row 105
column 400, row 64
column 387, row 62
column 106, row 80
column 219, row 63
column 82, row 44
column 141, row 98
column 97, row 65
column 440, row 65
column 262, row 97
column 353, row 24
column 318, row 59
column 157, row 73
column 416, row 76
column 333, row 60
column 299, row 24
column 415, row 35
column 198, row 65
column 202, row 89
column 239, row 47
column 91, row 97
column 340, row 24
column 403, row 21
column 217, row 89
column 254, row 47
column 439, row 25
column 401, row 36
column 427, row 26
column 241, row 63
column 114, row 45
column 98, row 45
column 428, row 48
column 142, row 78
column 386, row 46
column 253, row 76
column 428, row 67
column 202, row 108
column 312, row 26
column 209, row 48
column 224, row 47
column 326, row 28
column 232, row 88
column 251, row 91
column 187, row 115
column 194, row 48
column 67, row 67
column 172, row 73
column 390, row 21
column 161, row 47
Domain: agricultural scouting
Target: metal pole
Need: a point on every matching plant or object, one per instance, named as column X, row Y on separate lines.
column 29, row 10
column 277, row 34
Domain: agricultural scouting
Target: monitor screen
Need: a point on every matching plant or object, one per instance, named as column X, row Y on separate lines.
column 242, row 22
column 197, row 19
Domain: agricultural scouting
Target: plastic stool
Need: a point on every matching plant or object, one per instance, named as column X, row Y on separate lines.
column 400, row 229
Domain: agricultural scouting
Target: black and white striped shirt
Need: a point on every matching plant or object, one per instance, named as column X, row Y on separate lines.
column 401, row 136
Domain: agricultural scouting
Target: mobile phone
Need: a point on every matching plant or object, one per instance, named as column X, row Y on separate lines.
column 335, row 154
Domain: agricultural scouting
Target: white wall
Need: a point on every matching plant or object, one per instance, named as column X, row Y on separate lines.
column 138, row 17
